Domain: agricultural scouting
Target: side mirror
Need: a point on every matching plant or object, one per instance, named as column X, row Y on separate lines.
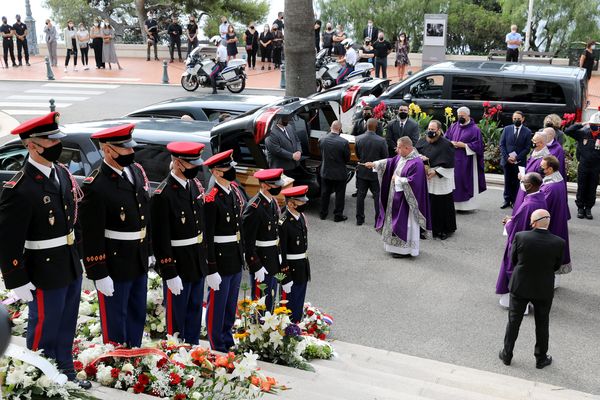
column 407, row 98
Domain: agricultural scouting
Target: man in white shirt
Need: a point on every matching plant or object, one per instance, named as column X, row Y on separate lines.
column 223, row 27
column 513, row 41
column 220, row 61
column 349, row 61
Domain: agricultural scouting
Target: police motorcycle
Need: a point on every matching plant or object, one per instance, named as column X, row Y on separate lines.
column 199, row 67
column 328, row 69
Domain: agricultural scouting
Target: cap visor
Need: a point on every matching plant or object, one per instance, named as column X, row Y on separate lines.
column 278, row 182
column 196, row 162
column 303, row 198
column 57, row 135
column 128, row 145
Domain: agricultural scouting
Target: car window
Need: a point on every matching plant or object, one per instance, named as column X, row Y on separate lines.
column 197, row 114
column 155, row 160
column 532, row 91
column 12, row 157
column 476, row 88
column 213, row 115
column 245, row 151
column 428, row 87
column 71, row 157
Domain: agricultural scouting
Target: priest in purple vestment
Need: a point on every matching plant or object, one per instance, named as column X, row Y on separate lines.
column 555, row 148
column 533, row 164
column 534, row 200
column 403, row 200
column 469, row 175
column 555, row 192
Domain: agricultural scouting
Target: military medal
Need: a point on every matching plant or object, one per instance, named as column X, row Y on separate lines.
column 227, row 218
column 51, row 218
column 269, row 226
column 298, row 240
column 183, row 217
column 200, row 238
column 122, row 214
column 238, row 236
column 46, row 199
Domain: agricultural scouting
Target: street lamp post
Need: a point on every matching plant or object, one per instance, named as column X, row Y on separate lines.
column 528, row 31
column 31, row 33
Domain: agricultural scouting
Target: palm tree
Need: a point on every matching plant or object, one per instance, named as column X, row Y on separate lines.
column 299, row 48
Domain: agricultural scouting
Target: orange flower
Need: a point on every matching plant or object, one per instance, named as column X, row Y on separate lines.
column 221, row 361
column 271, row 380
column 199, row 354
column 265, row 386
column 255, row 380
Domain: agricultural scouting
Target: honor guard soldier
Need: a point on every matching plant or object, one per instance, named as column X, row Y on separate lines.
column 39, row 258
column 178, row 240
column 261, row 238
column 223, row 207
column 294, row 242
column 115, row 218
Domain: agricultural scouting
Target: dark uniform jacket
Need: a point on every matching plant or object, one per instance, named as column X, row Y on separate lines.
column 587, row 154
column 32, row 208
column 369, row 147
column 260, row 221
column 536, row 255
column 335, row 151
column 293, row 235
column 395, row 132
column 360, row 126
column 281, row 147
column 178, row 214
column 112, row 202
column 223, row 213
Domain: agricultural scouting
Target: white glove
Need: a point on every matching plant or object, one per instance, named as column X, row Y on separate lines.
column 259, row 276
column 287, row 287
column 175, row 285
column 24, row 292
column 151, row 261
column 105, row 286
column 214, row 281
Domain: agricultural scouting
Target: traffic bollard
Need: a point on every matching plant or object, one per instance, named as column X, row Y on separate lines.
column 52, row 105
column 282, row 81
column 49, row 73
column 165, row 78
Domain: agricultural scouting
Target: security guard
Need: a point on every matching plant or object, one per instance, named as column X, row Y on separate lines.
column 39, row 258
column 294, row 242
column 115, row 218
column 7, row 42
column 223, row 207
column 21, row 36
column 220, row 61
column 261, row 239
column 178, row 240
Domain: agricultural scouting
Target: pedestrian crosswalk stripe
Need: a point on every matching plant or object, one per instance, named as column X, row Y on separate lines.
column 89, row 78
column 47, row 97
column 26, row 112
column 82, row 85
column 44, row 104
column 66, row 91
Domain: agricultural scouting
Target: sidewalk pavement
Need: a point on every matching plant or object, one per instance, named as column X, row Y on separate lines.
column 140, row 71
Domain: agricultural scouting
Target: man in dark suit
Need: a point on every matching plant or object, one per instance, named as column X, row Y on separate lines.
column 335, row 152
column 369, row 147
column 360, row 125
column 283, row 146
column 514, row 147
column 536, row 255
column 370, row 31
column 401, row 126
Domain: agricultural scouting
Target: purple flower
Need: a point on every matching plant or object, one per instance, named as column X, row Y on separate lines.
column 293, row 330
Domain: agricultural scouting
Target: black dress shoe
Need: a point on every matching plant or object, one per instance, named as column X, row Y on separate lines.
column 423, row 236
column 323, row 216
column 588, row 213
column 544, row 362
column 505, row 359
column 396, row 255
column 505, row 205
column 354, row 194
column 443, row 236
column 359, row 223
column 340, row 218
column 580, row 213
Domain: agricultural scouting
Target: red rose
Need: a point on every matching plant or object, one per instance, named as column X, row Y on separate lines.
column 161, row 363
column 189, row 383
column 91, row 370
column 499, row 107
column 310, row 313
column 114, row 373
column 143, row 379
column 174, row 379
column 139, row 388
column 486, row 103
column 322, row 336
column 78, row 365
column 180, row 396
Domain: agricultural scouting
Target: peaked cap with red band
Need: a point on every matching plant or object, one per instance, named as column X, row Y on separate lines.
column 296, row 193
column 42, row 127
column 117, row 136
column 187, row 151
column 271, row 176
column 223, row 159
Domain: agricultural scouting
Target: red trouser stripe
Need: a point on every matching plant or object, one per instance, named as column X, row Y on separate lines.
column 169, row 312
column 103, row 322
column 209, row 323
column 256, row 290
column 283, row 295
column 40, row 321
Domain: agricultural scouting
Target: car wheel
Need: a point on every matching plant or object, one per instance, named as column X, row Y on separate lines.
column 237, row 87
column 189, row 83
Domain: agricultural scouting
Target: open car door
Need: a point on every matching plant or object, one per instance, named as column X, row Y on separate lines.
column 348, row 94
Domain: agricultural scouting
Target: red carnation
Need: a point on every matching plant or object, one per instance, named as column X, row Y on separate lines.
column 174, row 379
column 139, row 388
column 143, row 379
column 310, row 313
column 189, row 383
column 180, row 396
column 114, row 373
column 91, row 370
column 486, row 103
column 161, row 363
column 322, row 336
column 78, row 365
column 499, row 107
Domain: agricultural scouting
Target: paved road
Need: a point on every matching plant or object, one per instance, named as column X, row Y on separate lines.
column 441, row 305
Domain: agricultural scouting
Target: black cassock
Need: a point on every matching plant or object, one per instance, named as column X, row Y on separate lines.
column 441, row 155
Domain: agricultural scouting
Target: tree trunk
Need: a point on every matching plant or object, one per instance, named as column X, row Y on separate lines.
column 140, row 10
column 299, row 48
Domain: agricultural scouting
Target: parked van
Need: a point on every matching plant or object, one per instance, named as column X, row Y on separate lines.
column 536, row 90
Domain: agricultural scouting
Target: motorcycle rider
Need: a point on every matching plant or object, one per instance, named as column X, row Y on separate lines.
column 349, row 60
column 220, row 60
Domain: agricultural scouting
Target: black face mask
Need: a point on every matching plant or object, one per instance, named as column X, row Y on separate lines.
column 125, row 160
column 403, row 115
column 367, row 115
column 275, row 190
column 229, row 175
column 462, row 120
column 431, row 134
column 517, row 122
column 548, row 125
column 532, row 145
column 51, row 153
column 190, row 173
column 284, row 123
column 301, row 207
